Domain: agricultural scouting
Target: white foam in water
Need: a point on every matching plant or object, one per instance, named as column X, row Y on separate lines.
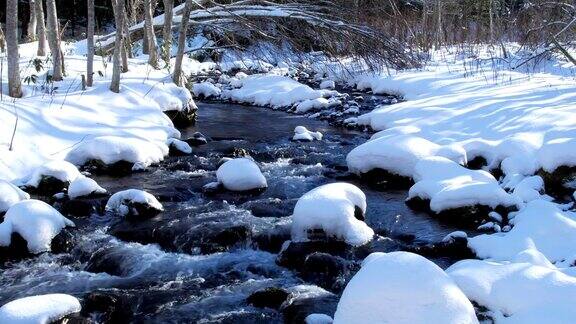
column 41, row 309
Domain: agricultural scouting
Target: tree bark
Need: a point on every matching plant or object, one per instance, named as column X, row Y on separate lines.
column 14, row 85
column 116, row 68
column 40, row 27
column 90, row 44
column 152, row 51
column 2, row 40
column 124, row 50
column 177, row 75
column 167, row 32
column 32, row 23
column 54, row 39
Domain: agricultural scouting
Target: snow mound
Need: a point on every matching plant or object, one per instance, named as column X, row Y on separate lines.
column 519, row 292
column 333, row 209
column 272, row 90
column 84, row 186
column 541, row 225
column 301, row 133
column 449, row 185
column 399, row 155
column 206, row 89
column 316, row 104
column 61, row 170
column 529, row 188
column 241, row 174
column 327, row 84
column 179, row 145
column 39, row 309
column 557, row 152
column 36, row 221
column 112, row 149
column 318, row 319
column 170, row 97
column 127, row 202
column 10, row 195
column 402, row 287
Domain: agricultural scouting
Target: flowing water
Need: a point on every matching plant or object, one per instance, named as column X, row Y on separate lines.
column 200, row 259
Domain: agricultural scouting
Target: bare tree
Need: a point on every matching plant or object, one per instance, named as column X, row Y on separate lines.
column 40, row 27
column 177, row 74
column 32, row 23
column 116, row 68
column 149, row 33
column 167, row 31
column 90, row 44
column 14, row 85
column 54, row 39
column 124, row 50
column 2, row 40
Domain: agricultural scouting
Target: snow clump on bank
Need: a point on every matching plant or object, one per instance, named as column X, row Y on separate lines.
column 10, row 195
column 39, row 309
column 84, row 186
column 60, row 170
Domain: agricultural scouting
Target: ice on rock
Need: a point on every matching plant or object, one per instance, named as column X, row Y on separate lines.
column 112, row 149
column 36, row 221
column 399, row 154
column 134, row 202
column 241, row 174
column 206, row 89
column 449, row 185
column 40, row 309
column 301, row 133
column 84, row 186
column 518, row 292
column 10, row 195
column 402, row 287
column 60, row 170
column 333, row 208
column 541, row 225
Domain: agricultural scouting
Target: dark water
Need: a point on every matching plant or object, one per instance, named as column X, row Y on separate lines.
column 201, row 258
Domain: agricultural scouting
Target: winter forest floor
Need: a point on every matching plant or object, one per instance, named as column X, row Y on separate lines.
column 469, row 161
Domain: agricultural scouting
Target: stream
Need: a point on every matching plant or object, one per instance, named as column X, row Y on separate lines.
column 205, row 254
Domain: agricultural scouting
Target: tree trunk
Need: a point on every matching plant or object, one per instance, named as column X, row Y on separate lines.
column 32, row 23
column 128, row 35
column 152, row 51
column 54, row 39
column 116, row 68
column 177, row 76
column 41, row 28
column 123, row 53
column 2, row 41
column 90, row 44
column 14, row 85
column 167, row 32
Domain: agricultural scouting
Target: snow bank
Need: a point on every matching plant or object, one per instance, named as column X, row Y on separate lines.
column 84, row 186
column 36, row 221
column 398, row 155
column 518, row 292
column 449, row 185
column 39, row 309
column 557, row 152
column 541, row 225
column 10, row 195
column 206, row 89
column 241, row 174
column 61, row 170
column 402, row 287
column 112, row 149
column 170, row 97
column 125, row 203
column 316, row 104
column 327, row 84
column 301, row 133
column 332, row 208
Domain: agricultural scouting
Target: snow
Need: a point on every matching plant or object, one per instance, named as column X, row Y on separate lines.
column 402, row 287
column 206, row 89
column 36, row 221
column 301, row 133
column 449, row 185
column 84, row 186
column 557, row 152
column 61, row 170
column 316, row 104
column 529, row 188
column 179, row 145
column 40, row 309
column 398, row 154
column 331, row 208
column 241, row 174
column 120, row 202
column 327, row 84
column 318, row 319
column 10, row 195
column 112, row 149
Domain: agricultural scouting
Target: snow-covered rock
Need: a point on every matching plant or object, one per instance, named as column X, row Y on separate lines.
column 62, row 171
column 171, row 97
column 316, row 104
column 327, row 84
column 178, row 146
column 318, row 319
column 557, row 152
column 134, row 203
column 449, row 185
column 36, row 221
column 112, row 149
column 402, row 287
column 10, row 195
column 41, row 309
column 301, row 133
column 241, row 174
column 399, row 154
column 84, row 186
column 206, row 89
column 337, row 209
column 529, row 188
